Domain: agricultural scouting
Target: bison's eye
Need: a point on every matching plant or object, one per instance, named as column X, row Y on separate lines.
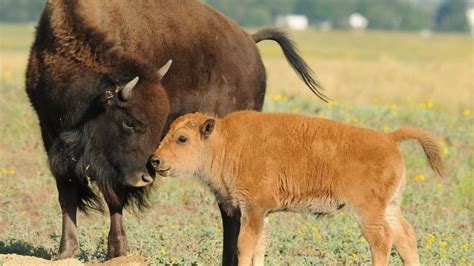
column 182, row 140
column 128, row 124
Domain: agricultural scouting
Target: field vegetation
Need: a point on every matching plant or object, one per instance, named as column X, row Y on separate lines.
column 376, row 79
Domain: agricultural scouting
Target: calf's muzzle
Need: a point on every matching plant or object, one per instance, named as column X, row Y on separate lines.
column 159, row 166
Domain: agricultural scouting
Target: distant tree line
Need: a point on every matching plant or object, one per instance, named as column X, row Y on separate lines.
column 443, row 15
column 20, row 10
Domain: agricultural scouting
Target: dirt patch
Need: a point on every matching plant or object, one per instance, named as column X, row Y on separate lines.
column 14, row 259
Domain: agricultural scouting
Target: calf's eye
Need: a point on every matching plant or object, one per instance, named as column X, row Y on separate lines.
column 182, row 139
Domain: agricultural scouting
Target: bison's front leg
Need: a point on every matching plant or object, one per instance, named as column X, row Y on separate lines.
column 68, row 199
column 117, row 240
column 231, row 225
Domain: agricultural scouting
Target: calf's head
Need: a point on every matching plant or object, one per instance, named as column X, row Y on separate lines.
column 185, row 147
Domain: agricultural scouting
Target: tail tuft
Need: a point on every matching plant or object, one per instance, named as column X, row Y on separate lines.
column 292, row 56
column 428, row 142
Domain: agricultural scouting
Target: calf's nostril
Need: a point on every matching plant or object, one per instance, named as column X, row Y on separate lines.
column 155, row 162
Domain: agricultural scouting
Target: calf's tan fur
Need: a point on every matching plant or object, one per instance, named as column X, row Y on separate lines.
column 260, row 163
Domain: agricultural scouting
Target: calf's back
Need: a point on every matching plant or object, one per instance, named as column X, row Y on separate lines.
column 284, row 161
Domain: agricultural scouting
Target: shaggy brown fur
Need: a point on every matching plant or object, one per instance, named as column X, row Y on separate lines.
column 83, row 55
column 262, row 163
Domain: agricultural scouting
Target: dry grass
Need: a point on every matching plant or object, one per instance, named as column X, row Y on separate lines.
column 387, row 68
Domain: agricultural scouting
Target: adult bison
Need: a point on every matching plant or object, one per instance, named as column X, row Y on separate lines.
column 96, row 78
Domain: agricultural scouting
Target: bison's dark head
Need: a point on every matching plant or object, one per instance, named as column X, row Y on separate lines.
column 130, row 128
column 117, row 135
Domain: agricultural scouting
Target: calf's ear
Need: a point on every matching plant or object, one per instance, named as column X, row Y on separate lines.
column 207, row 128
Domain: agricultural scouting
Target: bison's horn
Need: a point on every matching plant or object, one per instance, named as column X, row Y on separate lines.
column 126, row 92
column 162, row 71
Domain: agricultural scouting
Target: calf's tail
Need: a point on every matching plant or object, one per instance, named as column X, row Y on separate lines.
column 428, row 142
column 293, row 58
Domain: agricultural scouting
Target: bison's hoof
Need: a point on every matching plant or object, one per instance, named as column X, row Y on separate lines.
column 69, row 253
column 113, row 254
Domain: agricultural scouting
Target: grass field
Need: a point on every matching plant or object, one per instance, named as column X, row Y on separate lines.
column 377, row 80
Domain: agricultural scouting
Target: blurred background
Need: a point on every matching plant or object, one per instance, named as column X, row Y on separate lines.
column 405, row 15
column 384, row 63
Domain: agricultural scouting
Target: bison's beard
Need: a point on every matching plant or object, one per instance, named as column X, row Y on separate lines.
column 73, row 159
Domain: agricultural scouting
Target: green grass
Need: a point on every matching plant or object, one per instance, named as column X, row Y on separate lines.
column 183, row 226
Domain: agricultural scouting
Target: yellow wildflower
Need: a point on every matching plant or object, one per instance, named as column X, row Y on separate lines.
column 314, row 229
column 420, row 177
column 386, row 128
column 442, row 243
column 278, row 97
column 318, row 237
column 162, row 251
column 465, row 247
column 431, row 238
column 445, row 151
column 467, row 112
column 4, row 171
column 355, row 120
column 392, row 107
column 439, row 186
column 429, row 104
column 354, row 255
column 428, row 247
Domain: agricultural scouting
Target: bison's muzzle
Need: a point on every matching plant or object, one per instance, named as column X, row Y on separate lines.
column 140, row 179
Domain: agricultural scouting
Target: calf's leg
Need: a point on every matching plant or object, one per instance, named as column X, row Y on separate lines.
column 259, row 254
column 378, row 233
column 68, row 200
column 231, row 225
column 404, row 240
column 250, row 230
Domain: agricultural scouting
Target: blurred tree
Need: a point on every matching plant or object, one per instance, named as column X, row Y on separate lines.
column 279, row 7
column 20, row 10
column 382, row 14
column 451, row 16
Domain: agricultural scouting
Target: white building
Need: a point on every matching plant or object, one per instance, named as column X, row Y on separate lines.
column 358, row 21
column 294, row 22
column 470, row 15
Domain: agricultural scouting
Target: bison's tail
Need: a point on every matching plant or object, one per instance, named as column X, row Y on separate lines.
column 295, row 60
column 428, row 142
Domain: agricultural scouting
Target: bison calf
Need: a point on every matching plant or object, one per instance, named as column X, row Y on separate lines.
column 258, row 163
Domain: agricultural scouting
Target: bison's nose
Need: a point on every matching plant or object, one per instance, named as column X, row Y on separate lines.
column 155, row 162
